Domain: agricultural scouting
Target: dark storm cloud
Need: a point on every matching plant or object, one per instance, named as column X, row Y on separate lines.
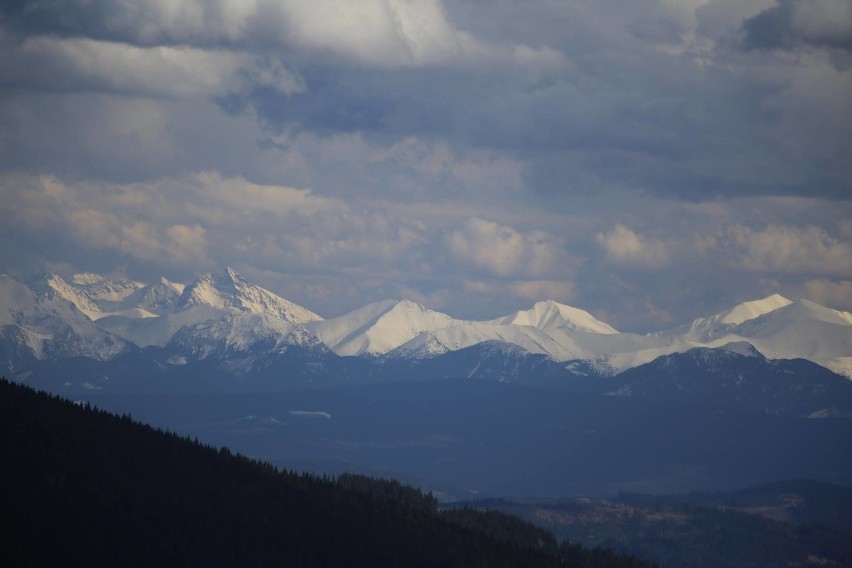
column 796, row 23
column 140, row 23
column 628, row 95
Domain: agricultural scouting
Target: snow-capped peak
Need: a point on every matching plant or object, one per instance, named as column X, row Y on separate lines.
column 750, row 310
column 47, row 324
column 550, row 315
column 379, row 327
column 97, row 297
column 227, row 289
column 721, row 324
column 73, row 295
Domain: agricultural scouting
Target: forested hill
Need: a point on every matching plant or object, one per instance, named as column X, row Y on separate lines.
column 80, row 485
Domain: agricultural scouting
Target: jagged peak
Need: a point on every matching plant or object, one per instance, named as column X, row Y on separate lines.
column 225, row 278
column 229, row 274
column 228, row 289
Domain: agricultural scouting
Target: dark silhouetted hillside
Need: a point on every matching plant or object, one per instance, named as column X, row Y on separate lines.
column 79, row 485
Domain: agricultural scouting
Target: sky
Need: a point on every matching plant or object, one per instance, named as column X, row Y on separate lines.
column 651, row 161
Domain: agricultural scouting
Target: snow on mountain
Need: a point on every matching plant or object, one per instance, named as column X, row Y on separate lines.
column 750, row 310
column 47, row 325
column 424, row 345
column 158, row 298
column 101, row 289
column 241, row 333
column 380, row 327
column 439, row 341
column 737, row 375
column 803, row 329
column 159, row 330
column 98, row 297
column 73, row 295
column 406, row 329
column 742, row 348
column 707, row 329
column 549, row 315
column 210, row 298
column 227, row 289
column 89, row 315
column 777, row 327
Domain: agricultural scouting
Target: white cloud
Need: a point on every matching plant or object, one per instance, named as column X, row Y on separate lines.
column 236, row 198
column 372, row 32
column 397, row 33
column 204, row 218
column 384, row 32
column 103, row 230
column 791, row 250
column 623, row 246
column 502, row 250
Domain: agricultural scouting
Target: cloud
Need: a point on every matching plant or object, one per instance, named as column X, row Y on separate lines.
column 788, row 249
column 375, row 32
column 99, row 230
column 795, row 23
column 536, row 290
column 566, row 95
column 502, row 250
column 382, row 32
column 623, row 246
column 835, row 293
column 472, row 155
column 81, row 64
column 203, row 221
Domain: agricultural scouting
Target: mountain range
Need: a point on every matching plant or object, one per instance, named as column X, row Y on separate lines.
column 220, row 331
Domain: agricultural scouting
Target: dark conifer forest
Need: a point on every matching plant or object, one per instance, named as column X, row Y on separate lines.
column 81, row 486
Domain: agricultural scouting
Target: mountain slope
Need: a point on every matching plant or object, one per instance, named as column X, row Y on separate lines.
column 227, row 289
column 108, row 491
column 92, row 316
column 466, row 335
column 738, row 375
column 210, row 298
column 36, row 327
column 380, row 327
column 488, row 360
column 98, row 297
column 549, row 315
